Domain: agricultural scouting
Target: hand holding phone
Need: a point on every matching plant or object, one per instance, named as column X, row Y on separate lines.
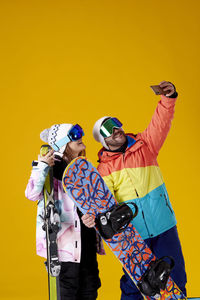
column 158, row 90
column 47, row 157
column 164, row 88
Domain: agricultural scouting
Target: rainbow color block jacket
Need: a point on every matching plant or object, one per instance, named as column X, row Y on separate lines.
column 135, row 175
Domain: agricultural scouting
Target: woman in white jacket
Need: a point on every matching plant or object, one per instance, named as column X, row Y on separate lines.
column 77, row 244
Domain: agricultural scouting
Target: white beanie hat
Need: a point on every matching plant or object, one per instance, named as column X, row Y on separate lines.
column 56, row 133
column 96, row 131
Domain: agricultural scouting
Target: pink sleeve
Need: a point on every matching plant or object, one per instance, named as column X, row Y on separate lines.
column 34, row 189
column 31, row 193
column 156, row 132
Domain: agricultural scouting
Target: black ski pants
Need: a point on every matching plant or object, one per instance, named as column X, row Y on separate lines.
column 80, row 281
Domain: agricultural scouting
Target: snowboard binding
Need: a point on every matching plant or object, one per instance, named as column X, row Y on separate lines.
column 115, row 220
column 156, row 276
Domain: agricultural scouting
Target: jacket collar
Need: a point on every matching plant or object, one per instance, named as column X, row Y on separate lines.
column 134, row 142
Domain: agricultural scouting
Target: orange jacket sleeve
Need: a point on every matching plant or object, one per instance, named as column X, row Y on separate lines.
column 156, row 132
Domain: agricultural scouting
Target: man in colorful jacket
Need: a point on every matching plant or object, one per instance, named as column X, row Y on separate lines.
column 128, row 165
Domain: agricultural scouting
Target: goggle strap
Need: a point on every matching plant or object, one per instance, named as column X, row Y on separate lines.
column 61, row 143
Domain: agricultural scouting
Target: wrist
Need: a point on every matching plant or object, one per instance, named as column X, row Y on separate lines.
column 174, row 95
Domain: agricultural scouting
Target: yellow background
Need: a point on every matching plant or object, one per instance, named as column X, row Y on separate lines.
column 75, row 61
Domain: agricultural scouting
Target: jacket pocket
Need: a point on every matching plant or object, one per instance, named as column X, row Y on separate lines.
column 168, row 203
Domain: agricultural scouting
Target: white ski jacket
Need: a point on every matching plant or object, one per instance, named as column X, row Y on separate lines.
column 69, row 237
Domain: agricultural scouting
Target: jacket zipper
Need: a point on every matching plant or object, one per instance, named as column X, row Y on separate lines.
column 143, row 216
column 167, row 204
column 136, row 193
column 139, row 197
column 146, row 224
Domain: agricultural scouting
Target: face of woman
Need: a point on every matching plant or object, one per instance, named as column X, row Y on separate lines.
column 76, row 147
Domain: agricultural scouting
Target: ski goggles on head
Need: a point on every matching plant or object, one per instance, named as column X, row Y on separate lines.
column 107, row 127
column 74, row 134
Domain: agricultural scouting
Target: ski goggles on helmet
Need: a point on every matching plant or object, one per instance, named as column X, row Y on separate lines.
column 74, row 134
column 107, row 127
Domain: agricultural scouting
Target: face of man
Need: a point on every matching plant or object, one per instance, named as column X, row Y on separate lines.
column 116, row 140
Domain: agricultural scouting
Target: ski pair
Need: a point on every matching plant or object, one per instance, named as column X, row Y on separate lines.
column 51, row 221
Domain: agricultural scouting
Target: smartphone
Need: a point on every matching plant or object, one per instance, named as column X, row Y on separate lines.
column 44, row 149
column 158, row 90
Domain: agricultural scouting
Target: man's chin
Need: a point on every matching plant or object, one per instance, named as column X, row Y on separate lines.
column 118, row 145
column 120, row 141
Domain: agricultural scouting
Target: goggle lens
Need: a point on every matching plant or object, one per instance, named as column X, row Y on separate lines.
column 76, row 133
column 107, row 127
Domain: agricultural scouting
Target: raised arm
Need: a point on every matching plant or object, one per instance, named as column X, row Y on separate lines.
column 38, row 175
column 157, row 130
column 36, row 182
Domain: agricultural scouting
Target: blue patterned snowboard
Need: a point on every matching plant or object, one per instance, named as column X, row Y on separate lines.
column 88, row 190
